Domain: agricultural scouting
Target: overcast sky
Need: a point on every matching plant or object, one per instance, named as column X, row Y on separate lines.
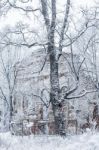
column 14, row 16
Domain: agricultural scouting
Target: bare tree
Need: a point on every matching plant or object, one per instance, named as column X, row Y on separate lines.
column 8, row 73
column 54, row 50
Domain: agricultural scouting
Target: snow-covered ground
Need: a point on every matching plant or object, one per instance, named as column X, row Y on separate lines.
column 87, row 141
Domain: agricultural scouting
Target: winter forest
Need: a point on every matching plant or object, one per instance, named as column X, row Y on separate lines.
column 49, row 74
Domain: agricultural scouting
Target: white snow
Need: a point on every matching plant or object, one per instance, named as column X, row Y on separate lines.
column 30, row 124
column 87, row 141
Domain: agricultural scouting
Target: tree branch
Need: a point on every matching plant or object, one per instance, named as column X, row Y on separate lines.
column 64, row 25
column 21, row 8
column 84, row 93
column 41, row 99
column 45, row 14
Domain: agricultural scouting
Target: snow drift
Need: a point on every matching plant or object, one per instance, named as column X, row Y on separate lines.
column 87, row 141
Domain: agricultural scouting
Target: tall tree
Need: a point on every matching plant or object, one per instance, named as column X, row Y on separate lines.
column 50, row 14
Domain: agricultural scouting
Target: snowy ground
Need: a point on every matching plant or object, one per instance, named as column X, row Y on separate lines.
column 87, row 141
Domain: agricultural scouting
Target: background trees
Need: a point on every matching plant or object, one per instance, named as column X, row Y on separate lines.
column 55, row 35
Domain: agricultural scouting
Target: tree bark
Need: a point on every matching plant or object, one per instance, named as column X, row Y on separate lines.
column 11, row 109
column 54, row 94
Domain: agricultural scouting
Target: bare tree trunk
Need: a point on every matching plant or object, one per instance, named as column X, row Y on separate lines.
column 54, row 78
column 54, row 95
column 11, row 110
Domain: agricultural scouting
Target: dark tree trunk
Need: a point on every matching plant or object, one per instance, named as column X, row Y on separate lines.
column 54, row 95
column 11, row 109
column 54, row 79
